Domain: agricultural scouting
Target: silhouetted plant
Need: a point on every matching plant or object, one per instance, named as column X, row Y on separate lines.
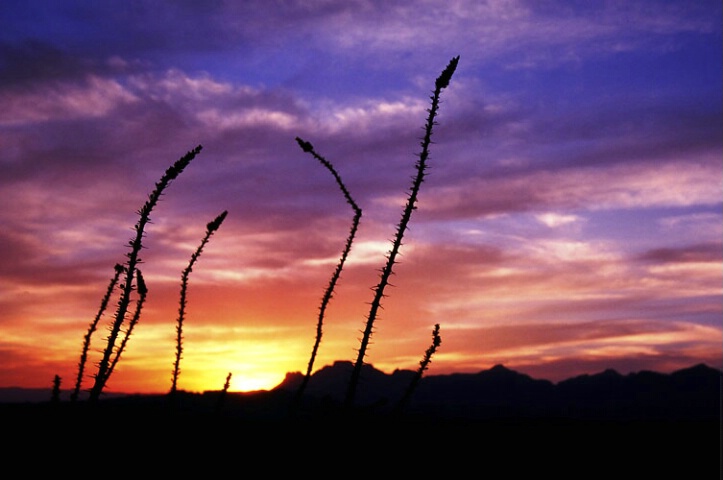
column 329, row 293
column 421, row 166
column 142, row 293
column 211, row 227
column 423, row 365
column 136, row 243
column 55, row 395
column 93, row 326
column 222, row 396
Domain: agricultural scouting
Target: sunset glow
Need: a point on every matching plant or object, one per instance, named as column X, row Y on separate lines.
column 570, row 220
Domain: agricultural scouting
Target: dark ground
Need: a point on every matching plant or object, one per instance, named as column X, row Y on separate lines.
column 256, row 430
column 496, row 424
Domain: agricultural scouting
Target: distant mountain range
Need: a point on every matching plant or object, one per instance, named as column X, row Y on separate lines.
column 690, row 393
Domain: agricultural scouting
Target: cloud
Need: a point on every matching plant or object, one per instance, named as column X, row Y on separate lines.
column 699, row 253
column 554, row 220
column 673, row 184
column 96, row 98
column 31, row 61
column 707, row 225
column 523, row 33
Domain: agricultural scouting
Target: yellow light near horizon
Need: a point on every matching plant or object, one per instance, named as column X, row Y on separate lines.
column 245, row 380
column 254, row 364
column 253, row 382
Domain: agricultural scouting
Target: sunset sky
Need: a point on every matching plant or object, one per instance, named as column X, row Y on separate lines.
column 570, row 222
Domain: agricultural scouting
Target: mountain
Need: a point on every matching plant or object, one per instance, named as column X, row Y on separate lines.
column 331, row 382
column 691, row 393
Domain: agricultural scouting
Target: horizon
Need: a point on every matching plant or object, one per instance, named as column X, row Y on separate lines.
column 570, row 221
column 65, row 391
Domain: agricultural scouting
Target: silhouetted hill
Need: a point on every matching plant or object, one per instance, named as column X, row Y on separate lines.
column 688, row 393
column 693, row 393
column 331, row 382
column 494, row 387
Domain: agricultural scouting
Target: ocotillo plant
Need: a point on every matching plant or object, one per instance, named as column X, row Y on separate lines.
column 55, row 395
column 441, row 83
column 142, row 293
column 328, row 294
column 136, row 243
column 211, row 227
column 222, row 396
column 93, row 326
column 423, row 365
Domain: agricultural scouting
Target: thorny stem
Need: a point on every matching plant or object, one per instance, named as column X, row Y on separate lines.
column 421, row 166
column 142, row 293
column 328, row 294
column 211, row 227
column 423, row 365
column 93, row 326
column 222, row 395
column 136, row 244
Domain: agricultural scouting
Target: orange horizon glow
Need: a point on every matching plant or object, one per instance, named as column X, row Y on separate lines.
column 264, row 339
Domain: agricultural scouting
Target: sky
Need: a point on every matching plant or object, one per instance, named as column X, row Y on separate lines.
column 570, row 220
